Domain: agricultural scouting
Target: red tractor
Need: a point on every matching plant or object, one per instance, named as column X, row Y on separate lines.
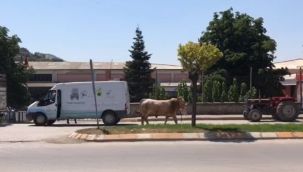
column 284, row 109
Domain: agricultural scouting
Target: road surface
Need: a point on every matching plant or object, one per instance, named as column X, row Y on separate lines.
column 267, row 156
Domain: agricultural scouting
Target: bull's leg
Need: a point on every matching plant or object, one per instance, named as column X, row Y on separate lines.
column 142, row 120
column 175, row 119
column 166, row 118
column 146, row 120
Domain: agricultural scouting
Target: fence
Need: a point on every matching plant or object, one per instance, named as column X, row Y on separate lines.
column 207, row 108
column 14, row 116
column 202, row 109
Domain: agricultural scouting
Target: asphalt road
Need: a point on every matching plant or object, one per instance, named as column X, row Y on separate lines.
column 267, row 156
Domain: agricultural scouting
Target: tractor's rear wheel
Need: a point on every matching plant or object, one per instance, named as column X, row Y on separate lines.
column 254, row 115
column 287, row 111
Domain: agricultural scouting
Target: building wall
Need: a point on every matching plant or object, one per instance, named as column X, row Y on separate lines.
column 73, row 77
column 58, row 76
column 169, row 76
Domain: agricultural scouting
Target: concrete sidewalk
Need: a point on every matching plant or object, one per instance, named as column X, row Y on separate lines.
column 205, row 136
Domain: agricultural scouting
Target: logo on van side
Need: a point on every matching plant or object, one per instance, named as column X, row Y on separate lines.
column 99, row 92
column 74, row 94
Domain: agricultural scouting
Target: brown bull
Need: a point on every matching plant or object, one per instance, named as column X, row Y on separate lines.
column 167, row 108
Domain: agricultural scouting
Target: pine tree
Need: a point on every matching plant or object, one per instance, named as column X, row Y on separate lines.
column 208, row 90
column 183, row 91
column 250, row 94
column 233, row 95
column 223, row 94
column 137, row 71
column 243, row 91
column 158, row 93
column 216, row 91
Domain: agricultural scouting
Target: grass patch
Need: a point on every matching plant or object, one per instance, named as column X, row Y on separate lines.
column 187, row 128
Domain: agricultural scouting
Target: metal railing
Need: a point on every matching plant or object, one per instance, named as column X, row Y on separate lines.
column 11, row 116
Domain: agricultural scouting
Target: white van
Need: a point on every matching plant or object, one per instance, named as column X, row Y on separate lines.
column 75, row 100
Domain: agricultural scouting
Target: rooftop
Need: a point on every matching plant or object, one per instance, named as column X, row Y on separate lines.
column 290, row 64
column 97, row 65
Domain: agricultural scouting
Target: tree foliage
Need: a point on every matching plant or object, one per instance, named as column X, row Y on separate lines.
column 197, row 58
column 158, row 93
column 216, row 92
column 252, row 93
column 243, row 91
column 184, row 91
column 224, row 97
column 208, row 90
column 233, row 92
column 244, row 43
column 17, row 74
column 138, row 72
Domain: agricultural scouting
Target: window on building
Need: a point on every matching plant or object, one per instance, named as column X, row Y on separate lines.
column 41, row 78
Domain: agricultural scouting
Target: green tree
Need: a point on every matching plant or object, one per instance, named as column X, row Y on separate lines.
column 216, row 92
column 197, row 58
column 243, row 91
column 158, row 93
column 138, row 72
column 233, row 94
column 224, row 97
column 207, row 89
column 244, row 43
column 183, row 91
column 17, row 74
column 252, row 93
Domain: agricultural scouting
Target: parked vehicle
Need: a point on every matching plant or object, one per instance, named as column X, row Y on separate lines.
column 3, row 104
column 281, row 108
column 75, row 100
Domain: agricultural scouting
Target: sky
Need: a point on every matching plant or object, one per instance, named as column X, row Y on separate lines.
column 103, row 30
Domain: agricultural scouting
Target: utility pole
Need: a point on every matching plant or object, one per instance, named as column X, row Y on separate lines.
column 250, row 78
column 94, row 90
column 300, row 82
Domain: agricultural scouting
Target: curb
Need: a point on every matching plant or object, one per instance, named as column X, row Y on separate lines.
column 207, row 118
column 206, row 136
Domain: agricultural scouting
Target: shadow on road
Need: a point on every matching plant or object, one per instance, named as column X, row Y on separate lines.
column 228, row 135
column 5, row 124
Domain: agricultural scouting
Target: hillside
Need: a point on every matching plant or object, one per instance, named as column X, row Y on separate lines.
column 37, row 56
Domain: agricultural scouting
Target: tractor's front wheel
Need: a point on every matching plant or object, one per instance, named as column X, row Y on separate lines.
column 245, row 114
column 254, row 115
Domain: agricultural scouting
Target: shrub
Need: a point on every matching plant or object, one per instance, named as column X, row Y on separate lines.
column 184, row 91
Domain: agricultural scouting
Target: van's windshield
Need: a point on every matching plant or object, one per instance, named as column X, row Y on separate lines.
column 49, row 98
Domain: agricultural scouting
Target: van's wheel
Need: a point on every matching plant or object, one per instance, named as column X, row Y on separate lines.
column 40, row 119
column 254, row 115
column 50, row 122
column 110, row 118
column 287, row 111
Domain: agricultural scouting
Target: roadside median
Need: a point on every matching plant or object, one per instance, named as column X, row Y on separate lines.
column 202, row 132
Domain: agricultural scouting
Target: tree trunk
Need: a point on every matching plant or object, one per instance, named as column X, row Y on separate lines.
column 193, row 76
column 202, row 83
